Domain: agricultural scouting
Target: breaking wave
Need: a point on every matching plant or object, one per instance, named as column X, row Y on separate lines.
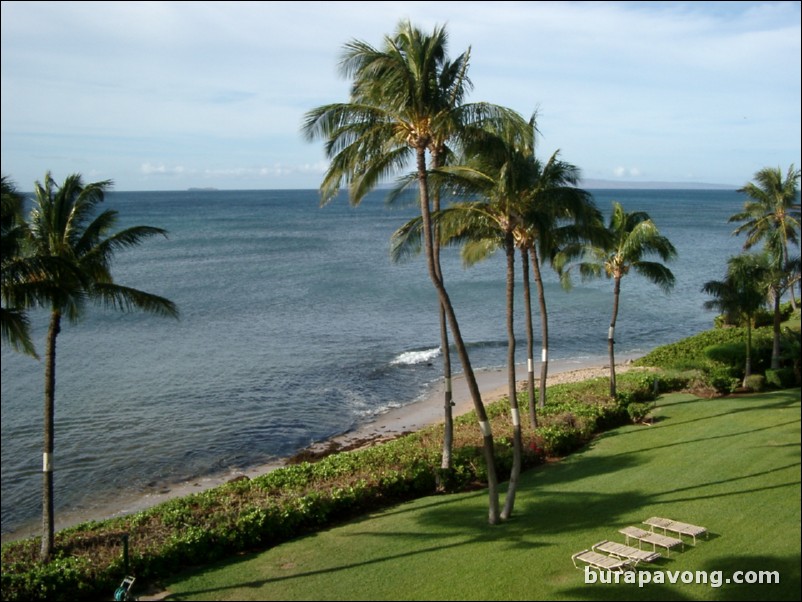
column 411, row 358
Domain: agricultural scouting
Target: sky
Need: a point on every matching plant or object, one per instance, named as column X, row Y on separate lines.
column 173, row 95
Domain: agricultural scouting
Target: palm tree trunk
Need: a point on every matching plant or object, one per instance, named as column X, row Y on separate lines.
column 611, row 335
column 544, row 326
column 48, row 521
column 530, row 340
column 448, row 401
column 470, row 378
column 775, row 349
column 785, row 260
column 748, row 366
column 509, row 502
column 448, row 407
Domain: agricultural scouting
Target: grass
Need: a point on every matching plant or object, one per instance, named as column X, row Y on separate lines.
column 729, row 464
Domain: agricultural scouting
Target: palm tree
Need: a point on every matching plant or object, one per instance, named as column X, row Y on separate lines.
column 26, row 279
column 633, row 237
column 492, row 170
column 558, row 215
column 547, row 214
column 780, row 278
column 14, row 323
column 772, row 214
column 406, row 102
column 741, row 294
column 62, row 227
column 523, row 204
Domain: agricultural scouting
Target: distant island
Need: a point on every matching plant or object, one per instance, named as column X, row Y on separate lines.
column 206, row 189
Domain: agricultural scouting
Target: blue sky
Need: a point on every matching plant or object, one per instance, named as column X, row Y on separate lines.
column 171, row 95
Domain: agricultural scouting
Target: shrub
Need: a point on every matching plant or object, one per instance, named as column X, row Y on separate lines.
column 558, row 440
column 720, row 377
column 755, row 382
column 783, row 378
column 734, row 355
column 638, row 411
column 691, row 352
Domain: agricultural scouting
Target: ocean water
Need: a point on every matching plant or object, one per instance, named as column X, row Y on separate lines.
column 296, row 326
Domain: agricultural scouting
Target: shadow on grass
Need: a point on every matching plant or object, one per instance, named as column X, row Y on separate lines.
column 259, row 583
column 681, row 442
column 772, row 578
column 787, row 398
column 444, row 526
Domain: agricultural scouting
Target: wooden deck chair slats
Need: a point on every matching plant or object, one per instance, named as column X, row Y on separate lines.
column 602, row 561
column 625, row 552
column 680, row 528
column 664, row 541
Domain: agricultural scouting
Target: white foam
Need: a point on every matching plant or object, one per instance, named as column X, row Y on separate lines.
column 410, row 358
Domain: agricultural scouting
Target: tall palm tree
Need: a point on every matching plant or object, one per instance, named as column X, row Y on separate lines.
column 547, row 214
column 62, row 227
column 14, row 323
column 406, row 102
column 741, row 293
column 779, row 278
column 772, row 214
column 633, row 238
column 490, row 170
column 517, row 191
column 558, row 215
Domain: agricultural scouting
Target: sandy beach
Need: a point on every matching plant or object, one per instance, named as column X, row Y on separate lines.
column 425, row 411
column 493, row 386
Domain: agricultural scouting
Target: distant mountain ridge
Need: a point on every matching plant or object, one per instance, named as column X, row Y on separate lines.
column 612, row 184
column 630, row 185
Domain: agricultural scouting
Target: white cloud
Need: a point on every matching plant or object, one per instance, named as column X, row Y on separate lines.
column 671, row 87
column 150, row 169
column 626, row 172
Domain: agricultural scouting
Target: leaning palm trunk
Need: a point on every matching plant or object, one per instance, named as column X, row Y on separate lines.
column 481, row 415
column 530, row 340
column 48, row 520
column 611, row 335
column 448, row 413
column 509, row 502
column 448, row 401
column 544, row 326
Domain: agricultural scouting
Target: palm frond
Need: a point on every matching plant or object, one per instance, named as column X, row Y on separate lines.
column 126, row 299
column 15, row 330
column 407, row 241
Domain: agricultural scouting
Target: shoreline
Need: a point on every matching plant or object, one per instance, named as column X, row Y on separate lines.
column 424, row 411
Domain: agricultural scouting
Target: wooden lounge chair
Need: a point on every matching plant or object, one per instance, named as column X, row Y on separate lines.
column 664, row 541
column 602, row 561
column 625, row 552
column 666, row 524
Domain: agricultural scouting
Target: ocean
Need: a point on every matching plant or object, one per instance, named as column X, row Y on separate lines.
column 295, row 327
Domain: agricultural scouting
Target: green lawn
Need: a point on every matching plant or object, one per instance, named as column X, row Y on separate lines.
column 731, row 465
